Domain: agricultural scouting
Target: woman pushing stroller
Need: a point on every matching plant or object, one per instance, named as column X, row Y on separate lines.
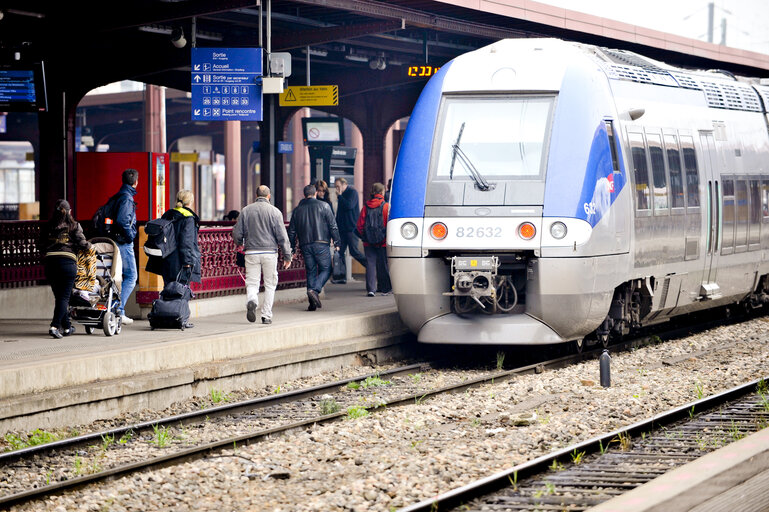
column 62, row 240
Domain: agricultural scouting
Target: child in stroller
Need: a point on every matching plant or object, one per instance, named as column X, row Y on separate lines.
column 95, row 300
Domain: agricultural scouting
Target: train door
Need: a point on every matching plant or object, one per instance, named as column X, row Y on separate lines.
column 709, row 288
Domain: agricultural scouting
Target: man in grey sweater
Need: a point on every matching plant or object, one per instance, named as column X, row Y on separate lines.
column 260, row 230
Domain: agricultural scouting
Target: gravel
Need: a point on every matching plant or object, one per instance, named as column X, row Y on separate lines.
column 402, row 455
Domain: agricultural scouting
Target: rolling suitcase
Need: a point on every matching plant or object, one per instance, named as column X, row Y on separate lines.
column 172, row 309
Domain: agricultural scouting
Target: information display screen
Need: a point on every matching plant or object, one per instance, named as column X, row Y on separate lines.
column 22, row 87
column 323, row 131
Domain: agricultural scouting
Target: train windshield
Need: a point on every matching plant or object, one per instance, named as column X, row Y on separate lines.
column 503, row 136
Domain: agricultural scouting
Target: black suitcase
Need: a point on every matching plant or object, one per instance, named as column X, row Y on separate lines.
column 172, row 309
column 338, row 269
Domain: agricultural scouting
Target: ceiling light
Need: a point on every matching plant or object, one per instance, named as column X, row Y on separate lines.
column 356, row 58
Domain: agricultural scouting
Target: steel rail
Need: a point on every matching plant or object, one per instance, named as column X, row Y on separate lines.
column 196, row 416
column 258, row 436
column 502, row 479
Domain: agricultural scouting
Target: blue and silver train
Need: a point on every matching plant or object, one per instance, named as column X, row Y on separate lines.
column 548, row 191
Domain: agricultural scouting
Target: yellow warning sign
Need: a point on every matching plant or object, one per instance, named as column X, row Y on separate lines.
column 310, row 96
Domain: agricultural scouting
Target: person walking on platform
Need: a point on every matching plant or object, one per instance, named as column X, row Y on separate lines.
column 322, row 193
column 124, row 233
column 187, row 253
column 313, row 227
column 372, row 227
column 347, row 211
column 62, row 240
column 260, row 230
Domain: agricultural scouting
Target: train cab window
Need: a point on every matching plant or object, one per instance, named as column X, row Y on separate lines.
column 659, row 180
column 727, row 232
column 612, row 146
column 674, row 166
column 691, row 172
column 754, row 226
column 641, row 171
column 741, row 207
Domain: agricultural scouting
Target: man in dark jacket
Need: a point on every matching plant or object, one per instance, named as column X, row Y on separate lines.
column 124, row 233
column 312, row 227
column 347, row 212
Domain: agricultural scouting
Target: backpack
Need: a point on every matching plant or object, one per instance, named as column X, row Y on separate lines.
column 161, row 237
column 374, row 231
column 103, row 218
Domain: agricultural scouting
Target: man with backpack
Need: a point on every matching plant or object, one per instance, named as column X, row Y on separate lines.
column 372, row 228
column 122, row 210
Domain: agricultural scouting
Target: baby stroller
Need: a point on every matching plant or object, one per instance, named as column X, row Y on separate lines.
column 95, row 301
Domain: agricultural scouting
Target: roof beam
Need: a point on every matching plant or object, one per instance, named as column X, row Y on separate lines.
column 327, row 35
column 417, row 18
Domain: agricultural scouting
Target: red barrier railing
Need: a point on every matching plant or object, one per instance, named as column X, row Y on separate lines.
column 21, row 261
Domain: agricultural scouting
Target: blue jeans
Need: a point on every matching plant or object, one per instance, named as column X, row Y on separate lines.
column 129, row 273
column 317, row 263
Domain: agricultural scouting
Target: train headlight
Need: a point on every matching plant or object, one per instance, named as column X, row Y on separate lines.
column 558, row 230
column 439, row 231
column 409, row 230
column 527, row 231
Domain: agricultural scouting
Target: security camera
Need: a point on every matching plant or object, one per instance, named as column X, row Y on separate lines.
column 177, row 37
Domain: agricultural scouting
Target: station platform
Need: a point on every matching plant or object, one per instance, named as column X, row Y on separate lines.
column 732, row 478
column 50, row 383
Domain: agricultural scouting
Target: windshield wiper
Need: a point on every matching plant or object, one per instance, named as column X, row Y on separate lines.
column 477, row 177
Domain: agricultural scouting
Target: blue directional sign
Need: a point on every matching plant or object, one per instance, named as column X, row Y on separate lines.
column 226, row 84
column 285, row 147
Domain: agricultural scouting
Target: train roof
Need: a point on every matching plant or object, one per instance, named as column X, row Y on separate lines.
column 721, row 89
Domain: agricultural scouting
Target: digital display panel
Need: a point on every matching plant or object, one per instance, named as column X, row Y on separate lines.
column 421, row 71
column 22, row 87
column 323, row 130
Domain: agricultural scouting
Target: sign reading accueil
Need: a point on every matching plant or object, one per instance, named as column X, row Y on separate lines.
column 226, row 84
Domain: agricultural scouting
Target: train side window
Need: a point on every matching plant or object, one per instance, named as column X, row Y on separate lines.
column 727, row 232
column 641, row 171
column 765, row 198
column 690, row 169
column 674, row 166
column 612, row 146
column 741, row 204
column 754, row 227
column 659, row 183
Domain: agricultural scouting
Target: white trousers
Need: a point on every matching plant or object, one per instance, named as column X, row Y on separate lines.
column 256, row 265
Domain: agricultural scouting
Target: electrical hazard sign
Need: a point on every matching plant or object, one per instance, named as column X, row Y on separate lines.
column 310, row 96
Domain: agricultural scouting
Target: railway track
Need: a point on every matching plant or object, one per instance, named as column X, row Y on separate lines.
column 139, row 447
column 256, row 419
column 588, row 473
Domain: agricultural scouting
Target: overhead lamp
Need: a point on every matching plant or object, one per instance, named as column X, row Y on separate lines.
column 317, row 53
column 177, row 37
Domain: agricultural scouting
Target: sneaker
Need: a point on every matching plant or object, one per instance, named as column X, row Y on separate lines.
column 53, row 331
column 251, row 313
column 386, row 293
column 371, row 294
column 126, row 320
column 266, row 320
column 189, row 325
column 69, row 330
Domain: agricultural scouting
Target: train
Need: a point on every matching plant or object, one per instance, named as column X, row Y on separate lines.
column 548, row 191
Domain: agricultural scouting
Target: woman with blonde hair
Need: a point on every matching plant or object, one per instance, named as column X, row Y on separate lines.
column 186, row 257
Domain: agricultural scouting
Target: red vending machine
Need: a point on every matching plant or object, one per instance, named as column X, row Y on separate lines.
column 99, row 175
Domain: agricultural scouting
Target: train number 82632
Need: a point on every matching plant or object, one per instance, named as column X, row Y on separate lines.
column 471, row 232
